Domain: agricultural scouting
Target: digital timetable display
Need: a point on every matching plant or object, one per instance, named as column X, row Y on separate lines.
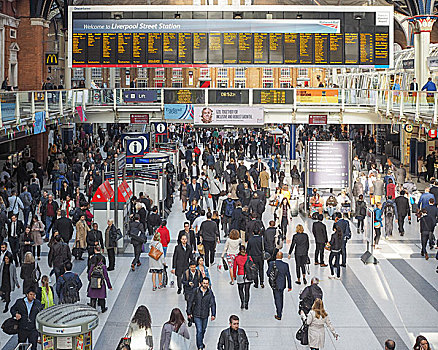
column 200, row 42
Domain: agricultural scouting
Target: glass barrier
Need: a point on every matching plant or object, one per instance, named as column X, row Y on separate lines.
column 8, row 106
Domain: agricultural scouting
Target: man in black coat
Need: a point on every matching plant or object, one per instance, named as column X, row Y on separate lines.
column 344, row 225
column 59, row 254
column 182, row 255
column 209, row 233
column 187, row 231
column 94, row 238
column 309, row 295
column 194, row 191
column 15, row 229
column 271, row 237
column 255, row 251
column 64, row 226
column 253, row 225
column 282, row 274
column 154, row 220
column 432, row 211
column 137, row 233
column 403, row 210
column 234, row 337
column 27, row 331
column 319, row 231
column 256, row 206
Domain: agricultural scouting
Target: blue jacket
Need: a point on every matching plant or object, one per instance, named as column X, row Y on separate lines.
column 424, row 199
column 378, row 215
column 283, row 274
column 345, row 228
column 429, row 86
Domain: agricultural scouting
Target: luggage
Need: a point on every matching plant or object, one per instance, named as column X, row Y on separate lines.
column 10, row 326
column 77, row 251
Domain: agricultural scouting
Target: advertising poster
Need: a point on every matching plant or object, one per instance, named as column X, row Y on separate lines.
column 229, row 115
column 317, row 96
column 183, row 112
column 40, row 122
column 8, row 111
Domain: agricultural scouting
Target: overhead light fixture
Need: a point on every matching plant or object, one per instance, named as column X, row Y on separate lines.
column 269, row 15
column 299, row 16
column 237, row 15
column 177, row 15
column 359, row 16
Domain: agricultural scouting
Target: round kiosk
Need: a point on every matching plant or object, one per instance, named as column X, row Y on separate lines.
column 67, row 327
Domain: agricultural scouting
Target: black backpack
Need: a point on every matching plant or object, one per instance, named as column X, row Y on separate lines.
column 250, row 269
column 389, row 209
column 272, row 278
column 96, row 280
column 70, row 292
column 205, row 186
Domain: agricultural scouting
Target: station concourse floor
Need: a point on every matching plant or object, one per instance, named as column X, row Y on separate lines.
column 397, row 299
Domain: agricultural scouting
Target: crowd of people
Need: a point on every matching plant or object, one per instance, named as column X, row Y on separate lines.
column 228, row 183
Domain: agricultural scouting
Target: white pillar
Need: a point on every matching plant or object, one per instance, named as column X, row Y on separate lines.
column 87, row 78
column 112, row 78
column 67, row 70
column 422, row 27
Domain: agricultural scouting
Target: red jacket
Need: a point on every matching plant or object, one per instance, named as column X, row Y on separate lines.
column 390, row 191
column 164, row 235
column 239, row 264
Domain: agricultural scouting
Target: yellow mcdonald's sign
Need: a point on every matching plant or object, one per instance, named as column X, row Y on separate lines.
column 51, row 59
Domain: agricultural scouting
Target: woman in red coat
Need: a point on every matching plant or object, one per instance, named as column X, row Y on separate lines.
column 164, row 236
column 242, row 283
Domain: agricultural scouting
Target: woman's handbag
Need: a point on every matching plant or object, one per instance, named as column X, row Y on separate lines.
column 225, row 264
column 178, row 342
column 302, row 334
column 155, row 253
column 201, row 249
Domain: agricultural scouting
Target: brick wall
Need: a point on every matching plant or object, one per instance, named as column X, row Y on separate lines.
column 38, row 146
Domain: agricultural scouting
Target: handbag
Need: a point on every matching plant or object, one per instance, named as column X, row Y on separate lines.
column 266, row 255
column 178, row 342
column 302, row 334
column 201, row 249
column 10, row 326
column 225, row 264
column 308, row 266
column 155, row 253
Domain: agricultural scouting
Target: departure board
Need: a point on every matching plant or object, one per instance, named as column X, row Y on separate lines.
column 79, row 48
column 306, row 48
column 261, row 48
column 276, row 48
column 185, row 50
column 230, row 48
column 94, row 47
column 291, row 48
column 215, row 48
column 140, row 49
column 200, row 48
column 245, row 48
column 351, row 45
column 170, row 48
column 184, row 96
column 366, row 49
column 272, row 96
column 336, row 55
column 228, row 96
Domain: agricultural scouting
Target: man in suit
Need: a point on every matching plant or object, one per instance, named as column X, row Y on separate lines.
column 255, row 251
column 15, row 229
column 319, row 230
column 280, row 282
column 64, row 226
column 344, row 225
column 182, row 256
column 403, row 210
column 194, row 191
column 25, row 310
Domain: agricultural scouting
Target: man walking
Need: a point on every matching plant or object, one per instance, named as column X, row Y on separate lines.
column 390, row 211
column 182, row 255
column 209, row 234
column 427, row 225
column 278, row 272
column 233, row 338
column 199, row 308
column 344, row 225
column 319, row 231
column 403, row 210
column 227, row 210
column 255, row 251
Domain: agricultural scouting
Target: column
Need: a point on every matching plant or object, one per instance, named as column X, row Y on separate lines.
column 67, row 70
column 112, row 78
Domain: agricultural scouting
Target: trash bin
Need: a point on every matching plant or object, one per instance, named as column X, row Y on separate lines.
column 67, row 326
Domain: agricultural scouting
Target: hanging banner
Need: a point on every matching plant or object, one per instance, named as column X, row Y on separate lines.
column 317, row 96
column 40, row 122
column 182, row 112
column 226, row 115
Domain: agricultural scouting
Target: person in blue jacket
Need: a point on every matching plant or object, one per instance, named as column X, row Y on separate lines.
column 429, row 86
column 378, row 218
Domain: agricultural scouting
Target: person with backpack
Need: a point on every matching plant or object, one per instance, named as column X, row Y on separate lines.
column 68, row 286
column 278, row 273
column 191, row 280
column 205, row 188
column 309, row 295
column 98, row 280
column 389, row 211
column 252, row 226
column 26, row 199
column 242, row 277
column 227, row 210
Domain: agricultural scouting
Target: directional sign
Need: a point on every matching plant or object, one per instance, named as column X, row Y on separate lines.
column 160, row 128
column 135, row 147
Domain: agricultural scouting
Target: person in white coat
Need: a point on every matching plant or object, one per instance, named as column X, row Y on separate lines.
column 139, row 330
column 317, row 318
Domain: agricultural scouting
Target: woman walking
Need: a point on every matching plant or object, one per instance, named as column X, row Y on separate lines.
column 300, row 242
column 335, row 253
column 156, row 266
column 8, row 279
column 26, row 273
column 140, row 331
column 378, row 218
column 111, row 244
column 98, row 277
column 239, row 274
column 183, row 194
column 317, row 318
column 175, row 324
column 231, row 250
column 26, row 243
column 81, row 234
column 285, row 212
column 37, row 233
column 200, row 265
column 45, row 293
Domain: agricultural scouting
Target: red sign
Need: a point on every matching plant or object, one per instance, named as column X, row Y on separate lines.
column 432, row 133
column 317, row 119
column 124, row 193
column 103, row 194
column 139, row 118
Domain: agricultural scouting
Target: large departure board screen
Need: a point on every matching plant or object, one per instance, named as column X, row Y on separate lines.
column 131, row 42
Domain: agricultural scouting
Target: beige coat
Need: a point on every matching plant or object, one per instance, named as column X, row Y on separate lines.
column 81, row 233
column 264, row 179
column 317, row 331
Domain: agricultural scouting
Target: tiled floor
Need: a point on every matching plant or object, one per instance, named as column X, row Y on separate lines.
column 396, row 299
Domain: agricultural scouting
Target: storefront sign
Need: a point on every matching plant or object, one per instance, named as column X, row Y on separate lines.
column 226, row 115
column 432, row 133
column 409, row 128
column 317, row 119
column 183, row 112
column 317, row 96
column 139, row 118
